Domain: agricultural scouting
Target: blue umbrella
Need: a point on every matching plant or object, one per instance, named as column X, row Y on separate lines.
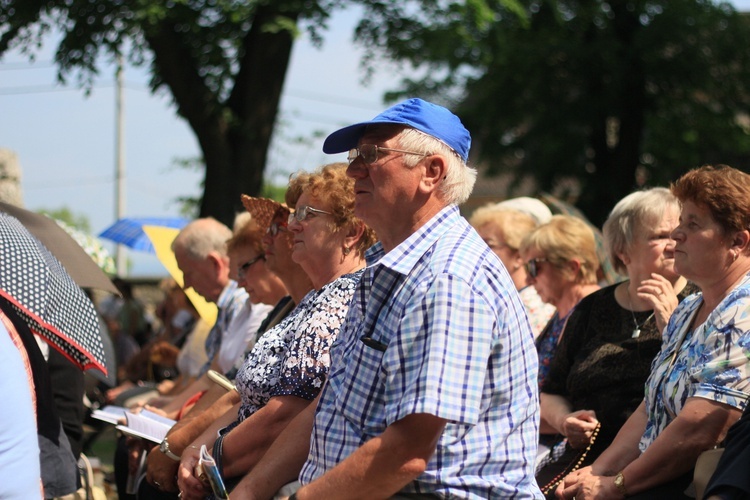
column 129, row 231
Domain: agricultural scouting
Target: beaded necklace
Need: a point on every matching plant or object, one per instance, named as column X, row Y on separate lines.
column 574, row 465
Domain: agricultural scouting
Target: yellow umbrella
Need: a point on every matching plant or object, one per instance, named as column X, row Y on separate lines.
column 162, row 238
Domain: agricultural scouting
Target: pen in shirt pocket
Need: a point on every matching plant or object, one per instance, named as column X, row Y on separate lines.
column 374, row 344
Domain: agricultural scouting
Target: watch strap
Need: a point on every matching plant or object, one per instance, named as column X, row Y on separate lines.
column 164, row 448
column 620, row 484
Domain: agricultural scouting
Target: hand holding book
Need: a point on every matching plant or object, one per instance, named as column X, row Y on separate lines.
column 208, row 472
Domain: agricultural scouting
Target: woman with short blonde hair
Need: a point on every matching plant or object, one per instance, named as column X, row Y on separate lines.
column 564, row 239
column 503, row 230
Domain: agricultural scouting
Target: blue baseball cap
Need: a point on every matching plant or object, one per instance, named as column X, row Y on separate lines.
column 435, row 121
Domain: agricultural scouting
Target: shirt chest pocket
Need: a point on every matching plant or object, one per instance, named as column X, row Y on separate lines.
column 360, row 384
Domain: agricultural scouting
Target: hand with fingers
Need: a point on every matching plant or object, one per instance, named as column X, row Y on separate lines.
column 658, row 292
column 161, row 471
column 191, row 487
column 578, row 427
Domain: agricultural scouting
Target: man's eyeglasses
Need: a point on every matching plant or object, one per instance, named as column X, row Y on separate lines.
column 242, row 268
column 369, row 153
column 305, row 212
column 532, row 267
column 276, row 228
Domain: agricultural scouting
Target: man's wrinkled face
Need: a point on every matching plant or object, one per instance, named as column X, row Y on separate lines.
column 384, row 187
column 200, row 274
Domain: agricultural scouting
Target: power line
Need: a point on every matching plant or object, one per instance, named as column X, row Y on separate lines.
column 320, row 97
column 22, row 66
column 41, row 89
column 80, row 182
column 333, row 99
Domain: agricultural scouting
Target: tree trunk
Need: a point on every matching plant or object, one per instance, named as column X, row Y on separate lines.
column 234, row 135
column 614, row 176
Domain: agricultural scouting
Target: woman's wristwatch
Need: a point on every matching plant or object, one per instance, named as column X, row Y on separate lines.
column 164, row 448
column 620, row 484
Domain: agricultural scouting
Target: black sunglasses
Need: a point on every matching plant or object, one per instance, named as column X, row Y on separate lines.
column 532, row 267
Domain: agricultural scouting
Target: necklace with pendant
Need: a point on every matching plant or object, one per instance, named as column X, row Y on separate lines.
column 636, row 327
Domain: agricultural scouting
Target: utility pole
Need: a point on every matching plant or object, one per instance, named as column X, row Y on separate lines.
column 121, row 260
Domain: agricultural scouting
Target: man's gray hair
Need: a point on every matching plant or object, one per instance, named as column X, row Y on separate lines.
column 201, row 237
column 459, row 178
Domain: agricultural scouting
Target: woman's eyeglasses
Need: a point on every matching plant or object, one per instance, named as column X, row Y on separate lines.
column 276, row 228
column 242, row 268
column 369, row 153
column 305, row 212
column 532, row 267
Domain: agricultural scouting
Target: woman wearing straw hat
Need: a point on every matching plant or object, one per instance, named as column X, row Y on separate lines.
column 287, row 367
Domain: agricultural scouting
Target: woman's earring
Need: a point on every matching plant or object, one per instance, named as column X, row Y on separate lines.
column 347, row 250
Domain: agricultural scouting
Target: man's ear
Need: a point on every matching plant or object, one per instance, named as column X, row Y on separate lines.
column 219, row 263
column 435, row 170
column 354, row 234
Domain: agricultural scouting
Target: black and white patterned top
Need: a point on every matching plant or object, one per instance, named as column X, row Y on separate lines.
column 292, row 359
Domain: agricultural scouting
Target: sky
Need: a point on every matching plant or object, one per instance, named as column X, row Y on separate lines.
column 65, row 140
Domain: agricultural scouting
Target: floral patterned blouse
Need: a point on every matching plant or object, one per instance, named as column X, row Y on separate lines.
column 292, row 358
column 713, row 360
column 546, row 344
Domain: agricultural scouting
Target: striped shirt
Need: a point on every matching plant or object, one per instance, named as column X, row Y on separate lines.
column 231, row 300
column 447, row 335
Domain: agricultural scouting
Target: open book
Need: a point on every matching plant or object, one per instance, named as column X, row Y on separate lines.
column 110, row 413
column 207, row 471
column 147, row 425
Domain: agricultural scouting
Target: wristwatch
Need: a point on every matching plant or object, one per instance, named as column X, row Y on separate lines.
column 620, row 484
column 164, row 448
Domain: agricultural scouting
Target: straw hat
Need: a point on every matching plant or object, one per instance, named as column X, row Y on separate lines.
column 263, row 210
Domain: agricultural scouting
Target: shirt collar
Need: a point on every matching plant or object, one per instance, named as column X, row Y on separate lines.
column 405, row 256
column 225, row 298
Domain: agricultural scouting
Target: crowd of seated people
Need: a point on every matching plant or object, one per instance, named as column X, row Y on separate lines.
column 635, row 379
column 683, row 257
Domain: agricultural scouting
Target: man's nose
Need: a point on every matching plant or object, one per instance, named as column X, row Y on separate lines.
column 357, row 169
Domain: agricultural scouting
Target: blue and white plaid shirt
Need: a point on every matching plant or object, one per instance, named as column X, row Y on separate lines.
column 231, row 300
column 449, row 337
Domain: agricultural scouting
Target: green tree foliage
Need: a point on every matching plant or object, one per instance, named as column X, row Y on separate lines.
column 614, row 94
column 223, row 62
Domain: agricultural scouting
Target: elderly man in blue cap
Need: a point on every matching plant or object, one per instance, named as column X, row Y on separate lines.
column 432, row 390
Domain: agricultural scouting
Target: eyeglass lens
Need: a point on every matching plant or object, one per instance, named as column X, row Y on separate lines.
column 305, row 212
column 368, row 153
column 275, row 228
column 532, row 267
column 244, row 267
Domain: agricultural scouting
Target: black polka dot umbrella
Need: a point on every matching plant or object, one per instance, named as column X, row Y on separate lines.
column 47, row 298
